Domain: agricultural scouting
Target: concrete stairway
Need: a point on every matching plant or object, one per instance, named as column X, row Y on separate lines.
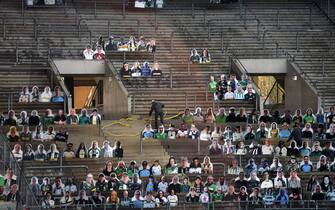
column 14, row 78
column 127, row 135
column 314, row 54
column 61, row 40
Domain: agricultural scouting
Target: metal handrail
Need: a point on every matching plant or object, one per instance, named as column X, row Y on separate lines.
column 268, row 96
column 209, row 23
column 279, row 88
column 300, row 204
column 328, row 31
column 20, row 18
column 297, row 35
column 277, row 14
column 291, row 58
column 61, row 82
column 298, row 32
column 138, row 22
column 58, row 167
column 253, row 83
column 18, row 167
column 257, row 89
column 327, row 12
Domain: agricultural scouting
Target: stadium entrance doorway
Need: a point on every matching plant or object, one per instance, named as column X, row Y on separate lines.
column 87, row 92
column 272, row 90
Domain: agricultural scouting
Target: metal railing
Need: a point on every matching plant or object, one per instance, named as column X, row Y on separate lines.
column 277, row 88
column 114, row 72
column 210, row 205
column 291, row 58
column 9, row 161
column 137, row 21
column 24, row 19
column 60, row 167
column 235, row 60
column 210, row 22
column 56, row 75
column 326, row 7
column 298, row 33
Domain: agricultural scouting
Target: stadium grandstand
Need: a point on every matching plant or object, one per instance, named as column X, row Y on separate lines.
column 167, row 104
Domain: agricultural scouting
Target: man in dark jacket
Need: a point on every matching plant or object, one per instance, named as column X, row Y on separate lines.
column 157, row 107
column 296, row 134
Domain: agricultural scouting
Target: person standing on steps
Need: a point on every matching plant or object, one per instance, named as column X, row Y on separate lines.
column 157, row 107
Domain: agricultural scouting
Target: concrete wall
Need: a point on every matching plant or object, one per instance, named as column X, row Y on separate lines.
column 265, row 66
column 116, row 101
column 298, row 93
column 78, row 67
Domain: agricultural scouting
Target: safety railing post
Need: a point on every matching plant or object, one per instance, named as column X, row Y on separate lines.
column 134, row 103
column 258, row 28
column 171, row 41
column 209, row 30
column 241, row 7
column 138, row 28
column 297, row 41
column 61, row 163
column 124, row 8
column 95, row 8
column 16, row 53
column 222, row 41
column 4, row 156
column 226, row 51
column 35, row 28
column 278, row 19
column 205, row 14
column 323, row 66
column 192, row 9
column 141, row 144
column 4, row 28
column 8, row 102
column 78, row 27
column 206, row 92
column 330, row 41
column 277, row 91
column 264, row 34
column 49, row 56
column 108, row 28
column 195, row 101
column 198, row 139
column 328, row 8
column 188, row 67
column 186, row 100
column 171, row 79
column 310, row 17
column 155, row 11
column 90, row 33
column 277, row 47
column 22, row 8
column 245, row 18
column 76, row 16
